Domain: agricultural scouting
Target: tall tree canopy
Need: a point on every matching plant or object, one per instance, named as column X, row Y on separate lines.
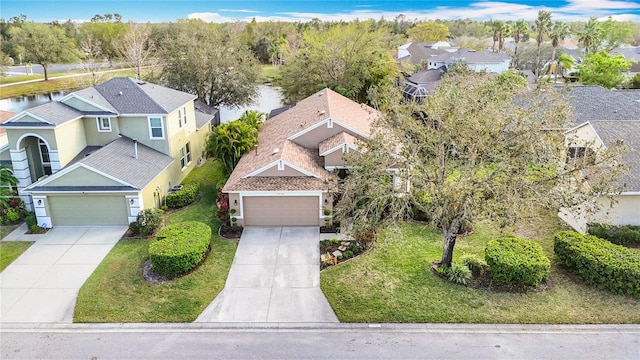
column 602, row 69
column 204, row 60
column 43, row 44
column 429, row 31
column 480, row 147
column 349, row 58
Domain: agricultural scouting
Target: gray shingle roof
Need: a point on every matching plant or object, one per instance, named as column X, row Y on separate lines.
column 116, row 159
column 591, row 103
column 128, row 98
column 55, row 112
column 168, row 99
column 421, row 51
column 93, row 95
column 629, row 132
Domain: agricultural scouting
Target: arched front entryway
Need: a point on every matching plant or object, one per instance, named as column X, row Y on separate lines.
column 32, row 159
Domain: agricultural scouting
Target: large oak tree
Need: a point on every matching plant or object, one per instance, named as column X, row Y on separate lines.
column 480, row 147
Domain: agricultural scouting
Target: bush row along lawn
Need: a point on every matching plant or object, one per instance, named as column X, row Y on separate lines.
column 10, row 250
column 392, row 283
column 116, row 291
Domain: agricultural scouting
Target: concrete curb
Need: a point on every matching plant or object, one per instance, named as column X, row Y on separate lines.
column 323, row 327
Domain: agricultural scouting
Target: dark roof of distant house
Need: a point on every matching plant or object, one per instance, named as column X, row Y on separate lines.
column 4, row 116
column 611, row 132
column 472, row 56
column 280, row 110
column 205, row 113
column 429, row 76
column 591, row 102
column 420, row 51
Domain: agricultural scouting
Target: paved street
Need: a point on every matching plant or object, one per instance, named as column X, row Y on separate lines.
column 327, row 341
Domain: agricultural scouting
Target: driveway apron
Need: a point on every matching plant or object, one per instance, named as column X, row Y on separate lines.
column 275, row 277
column 43, row 283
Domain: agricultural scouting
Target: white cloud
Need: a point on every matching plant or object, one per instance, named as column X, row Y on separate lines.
column 575, row 10
column 238, row 10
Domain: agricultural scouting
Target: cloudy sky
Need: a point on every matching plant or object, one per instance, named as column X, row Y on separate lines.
column 305, row 10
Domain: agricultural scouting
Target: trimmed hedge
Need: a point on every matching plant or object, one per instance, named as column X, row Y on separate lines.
column 179, row 247
column 617, row 234
column 600, row 262
column 515, row 260
column 183, row 197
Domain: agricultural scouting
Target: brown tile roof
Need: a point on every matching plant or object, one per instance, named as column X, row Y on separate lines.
column 280, row 183
column 4, row 116
column 276, row 131
column 337, row 140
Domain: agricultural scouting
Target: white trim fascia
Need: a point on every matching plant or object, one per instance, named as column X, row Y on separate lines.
column 4, row 147
column 577, row 127
column 86, row 101
column 341, row 146
column 132, row 191
column 308, row 129
column 339, row 167
column 264, row 168
column 25, row 113
column 66, row 170
column 626, row 193
column 142, row 115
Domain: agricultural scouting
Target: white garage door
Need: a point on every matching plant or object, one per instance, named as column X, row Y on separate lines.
column 281, row 211
column 88, row 210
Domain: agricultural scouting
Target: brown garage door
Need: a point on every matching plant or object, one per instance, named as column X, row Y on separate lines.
column 281, row 211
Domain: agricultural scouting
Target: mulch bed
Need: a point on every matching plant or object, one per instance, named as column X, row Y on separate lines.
column 230, row 232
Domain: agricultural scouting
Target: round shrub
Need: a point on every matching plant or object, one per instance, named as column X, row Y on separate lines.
column 183, row 197
column 514, row 260
column 147, row 222
column 179, row 247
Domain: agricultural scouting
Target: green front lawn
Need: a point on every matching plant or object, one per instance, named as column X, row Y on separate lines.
column 392, row 283
column 10, row 250
column 116, row 291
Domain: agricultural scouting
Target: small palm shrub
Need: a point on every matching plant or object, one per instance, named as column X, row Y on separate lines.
column 473, row 262
column 459, row 273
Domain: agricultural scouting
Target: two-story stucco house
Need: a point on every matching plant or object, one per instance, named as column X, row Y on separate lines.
column 476, row 60
column 284, row 180
column 100, row 155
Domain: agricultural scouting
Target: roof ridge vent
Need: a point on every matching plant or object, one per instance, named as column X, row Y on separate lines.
column 275, row 151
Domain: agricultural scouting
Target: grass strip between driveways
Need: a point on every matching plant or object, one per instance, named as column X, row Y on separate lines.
column 116, row 291
column 10, row 250
column 392, row 283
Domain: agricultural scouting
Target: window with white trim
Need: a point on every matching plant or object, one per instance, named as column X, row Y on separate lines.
column 187, row 148
column 179, row 118
column 183, row 162
column 104, row 124
column 184, row 114
column 156, row 130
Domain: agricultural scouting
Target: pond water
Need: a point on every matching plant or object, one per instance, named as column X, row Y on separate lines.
column 269, row 98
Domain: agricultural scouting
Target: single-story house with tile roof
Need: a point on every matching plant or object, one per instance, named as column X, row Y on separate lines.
column 100, row 155
column 284, row 181
column 604, row 118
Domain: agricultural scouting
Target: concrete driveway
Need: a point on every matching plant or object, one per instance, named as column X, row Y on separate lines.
column 42, row 284
column 275, row 277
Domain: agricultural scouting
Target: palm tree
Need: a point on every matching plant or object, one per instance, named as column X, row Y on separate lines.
column 497, row 27
column 504, row 31
column 558, row 32
column 541, row 26
column 590, row 36
column 565, row 62
column 519, row 31
column 7, row 182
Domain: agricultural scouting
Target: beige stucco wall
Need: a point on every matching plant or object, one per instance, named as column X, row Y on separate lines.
column 81, row 177
column 313, row 138
column 70, row 140
column 288, row 171
column 583, row 136
column 334, row 159
column 100, row 138
column 624, row 211
column 137, row 127
column 5, row 155
column 46, row 134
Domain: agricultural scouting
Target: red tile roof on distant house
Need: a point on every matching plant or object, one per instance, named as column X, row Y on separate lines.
column 274, row 143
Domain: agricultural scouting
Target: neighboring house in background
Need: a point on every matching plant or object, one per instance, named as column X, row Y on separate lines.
column 422, row 83
column 476, row 60
column 100, row 155
column 605, row 118
column 419, row 53
column 631, row 54
column 284, row 181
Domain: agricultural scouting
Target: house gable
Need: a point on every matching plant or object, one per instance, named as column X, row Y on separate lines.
column 83, row 176
column 312, row 136
column 26, row 117
column 82, row 104
column 280, row 168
